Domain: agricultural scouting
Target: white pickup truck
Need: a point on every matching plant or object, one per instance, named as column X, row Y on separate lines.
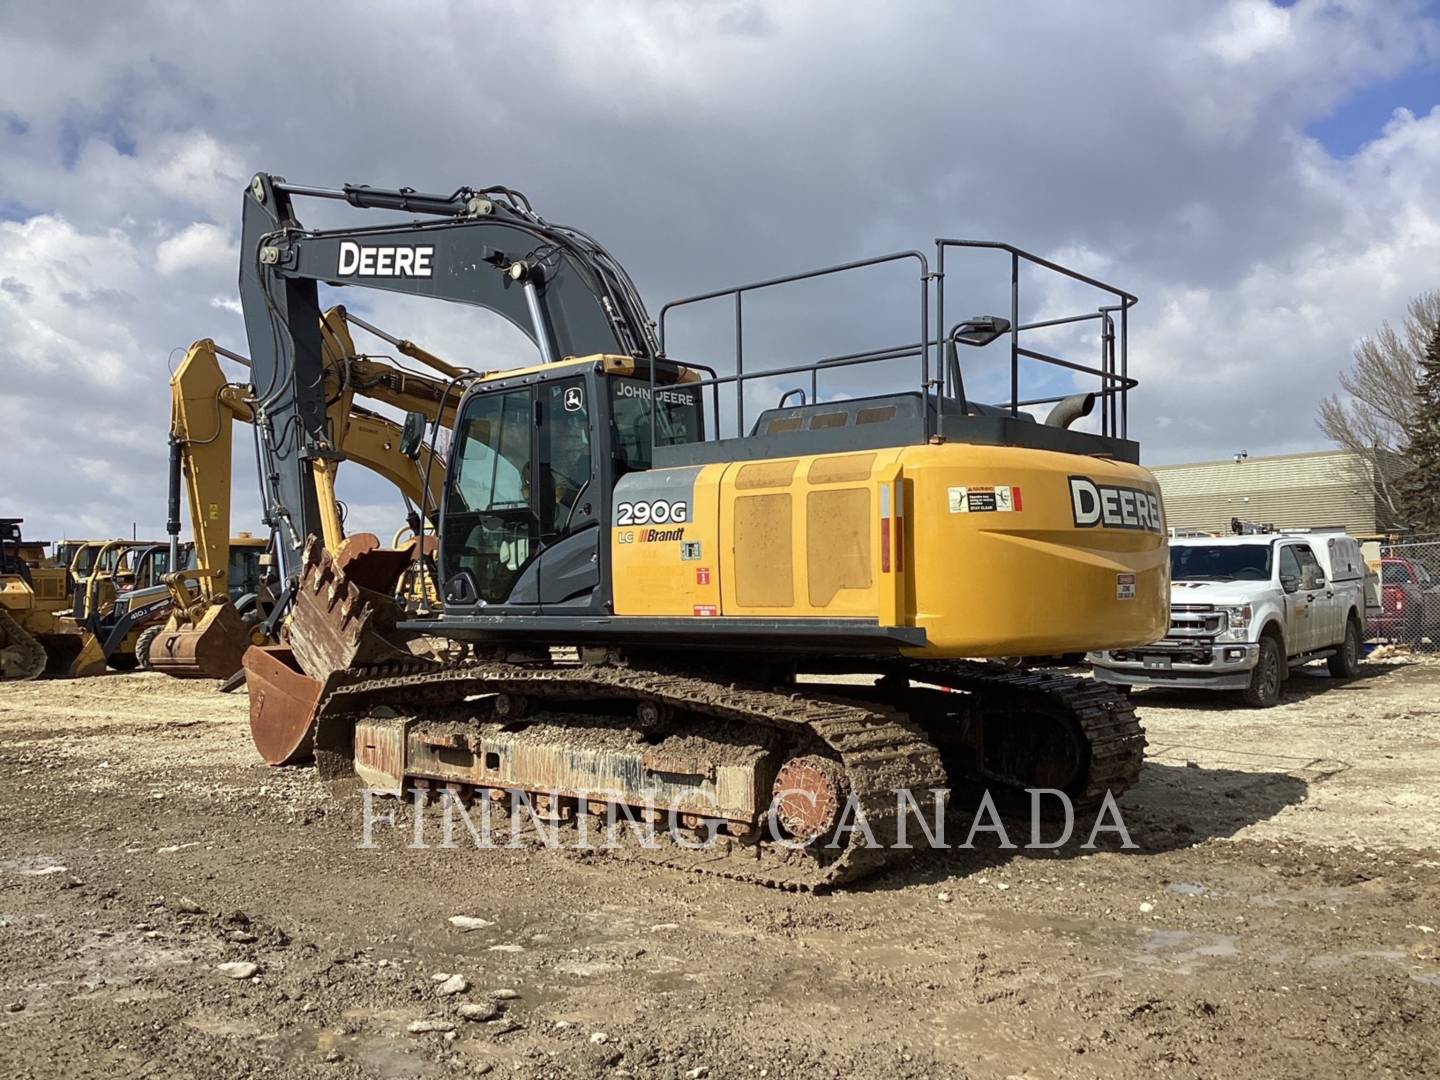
column 1244, row 610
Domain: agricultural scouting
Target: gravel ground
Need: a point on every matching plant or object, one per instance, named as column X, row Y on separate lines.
column 169, row 907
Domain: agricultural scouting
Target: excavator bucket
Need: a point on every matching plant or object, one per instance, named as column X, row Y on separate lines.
column 343, row 617
column 212, row 648
column 283, row 703
column 345, row 611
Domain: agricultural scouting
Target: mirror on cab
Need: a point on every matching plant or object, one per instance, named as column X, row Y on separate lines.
column 412, row 434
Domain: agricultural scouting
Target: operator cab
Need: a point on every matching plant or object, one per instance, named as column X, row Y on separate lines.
column 535, row 459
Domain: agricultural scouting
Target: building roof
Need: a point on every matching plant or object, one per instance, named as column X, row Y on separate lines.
column 1323, row 488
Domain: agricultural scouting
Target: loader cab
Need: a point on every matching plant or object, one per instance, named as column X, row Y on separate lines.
column 534, row 459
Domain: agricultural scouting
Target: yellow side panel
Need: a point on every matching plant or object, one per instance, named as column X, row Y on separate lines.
column 669, row 568
column 764, row 553
column 765, row 474
column 844, row 468
column 801, row 537
column 837, row 549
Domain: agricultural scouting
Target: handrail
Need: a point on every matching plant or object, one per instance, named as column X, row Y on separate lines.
column 738, row 291
column 1112, row 370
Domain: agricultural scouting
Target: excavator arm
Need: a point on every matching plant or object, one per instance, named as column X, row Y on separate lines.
column 483, row 247
column 204, row 634
column 204, row 405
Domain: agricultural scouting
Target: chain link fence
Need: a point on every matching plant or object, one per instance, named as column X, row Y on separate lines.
column 1409, row 594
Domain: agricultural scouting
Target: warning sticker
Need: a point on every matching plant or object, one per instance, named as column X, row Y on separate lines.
column 706, row 610
column 1124, row 586
column 690, row 551
column 984, row 500
column 702, row 575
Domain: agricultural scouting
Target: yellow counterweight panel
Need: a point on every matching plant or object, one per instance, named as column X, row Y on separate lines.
column 997, row 563
column 982, row 547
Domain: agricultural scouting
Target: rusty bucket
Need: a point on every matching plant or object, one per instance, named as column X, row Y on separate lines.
column 345, row 614
column 283, row 703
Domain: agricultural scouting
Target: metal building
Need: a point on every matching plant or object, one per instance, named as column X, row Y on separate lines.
column 1318, row 489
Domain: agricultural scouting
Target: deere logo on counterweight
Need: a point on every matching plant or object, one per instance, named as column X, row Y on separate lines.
column 1113, row 506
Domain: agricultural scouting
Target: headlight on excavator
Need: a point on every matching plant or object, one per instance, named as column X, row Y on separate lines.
column 1237, row 620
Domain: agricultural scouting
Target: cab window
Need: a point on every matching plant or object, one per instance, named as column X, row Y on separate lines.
column 1289, row 564
column 1310, row 570
column 677, row 419
column 243, row 572
column 565, row 451
column 490, row 529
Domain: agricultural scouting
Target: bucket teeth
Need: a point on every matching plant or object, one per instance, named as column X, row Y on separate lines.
column 345, row 614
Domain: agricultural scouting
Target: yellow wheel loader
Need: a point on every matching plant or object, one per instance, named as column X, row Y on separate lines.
column 645, row 581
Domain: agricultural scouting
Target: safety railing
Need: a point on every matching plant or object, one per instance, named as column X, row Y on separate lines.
column 937, row 378
column 1114, row 369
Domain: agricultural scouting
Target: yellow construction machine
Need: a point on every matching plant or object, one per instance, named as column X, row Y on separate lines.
column 37, row 633
column 647, row 583
column 209, row 626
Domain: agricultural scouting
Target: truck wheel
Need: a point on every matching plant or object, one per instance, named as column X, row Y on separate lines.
column 1264, row 688
column 1345, row 664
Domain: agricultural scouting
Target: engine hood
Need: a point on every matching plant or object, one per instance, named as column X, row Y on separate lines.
column 1219, row 593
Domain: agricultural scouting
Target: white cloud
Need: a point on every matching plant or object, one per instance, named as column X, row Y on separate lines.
column 200, row 246
column 707, row 144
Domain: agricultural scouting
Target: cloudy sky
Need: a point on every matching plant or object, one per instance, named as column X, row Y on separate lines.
column 1266, row 177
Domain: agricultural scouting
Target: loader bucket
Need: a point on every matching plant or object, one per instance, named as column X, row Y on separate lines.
column 91, row 660
column 212, row 648
column 283, row 703
column 345, row 614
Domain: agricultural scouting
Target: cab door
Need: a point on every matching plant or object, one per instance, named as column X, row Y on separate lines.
column 1298, row 630
column 520, row 527
column 490, row 532
column 569, row 494
column 1326, row 623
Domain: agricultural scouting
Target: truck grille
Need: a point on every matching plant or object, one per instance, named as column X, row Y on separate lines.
column 1192, row 655
column 1195, row 620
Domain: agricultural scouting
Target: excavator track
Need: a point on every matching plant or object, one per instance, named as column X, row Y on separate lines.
column 24, row 657
column 1108, row 738
column 880, row 752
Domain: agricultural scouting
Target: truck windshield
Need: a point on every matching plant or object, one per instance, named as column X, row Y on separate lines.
column 1222, row 562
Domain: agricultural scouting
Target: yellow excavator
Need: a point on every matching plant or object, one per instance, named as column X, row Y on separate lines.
column 647, row 583
column 50, row 607
column 208, row 629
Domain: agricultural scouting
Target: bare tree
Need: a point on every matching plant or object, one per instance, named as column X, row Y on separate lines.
column 1380, row 396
